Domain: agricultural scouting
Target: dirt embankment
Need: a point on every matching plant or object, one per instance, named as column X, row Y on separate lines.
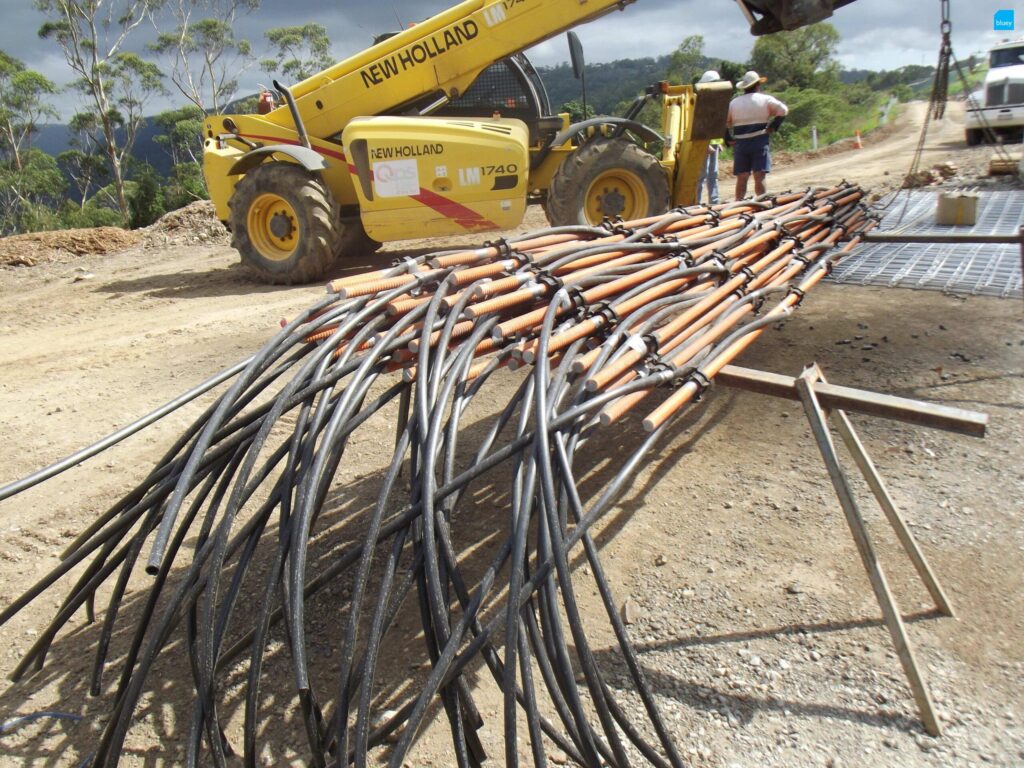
column 63, row 245
column 193, row 224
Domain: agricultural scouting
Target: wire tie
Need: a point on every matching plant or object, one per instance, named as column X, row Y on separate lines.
column 505, row 250
column 579, row 302
column 548, row 280
column 656, row 365
column 684, row 254
column 702, row 382
column 602, row 309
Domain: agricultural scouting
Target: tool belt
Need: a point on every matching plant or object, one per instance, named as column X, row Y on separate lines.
column 751, row 131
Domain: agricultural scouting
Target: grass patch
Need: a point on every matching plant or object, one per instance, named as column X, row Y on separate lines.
column 836, row 114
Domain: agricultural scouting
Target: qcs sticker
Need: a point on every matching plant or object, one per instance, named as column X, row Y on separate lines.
column 396, row 178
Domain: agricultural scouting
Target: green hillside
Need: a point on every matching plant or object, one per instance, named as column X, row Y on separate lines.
column 608, row 84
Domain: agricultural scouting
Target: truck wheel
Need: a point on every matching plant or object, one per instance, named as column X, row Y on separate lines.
column 284, row 223
column 974, row 137
column 607, row 178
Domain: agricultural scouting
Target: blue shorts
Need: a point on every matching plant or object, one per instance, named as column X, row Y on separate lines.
column 751, row 155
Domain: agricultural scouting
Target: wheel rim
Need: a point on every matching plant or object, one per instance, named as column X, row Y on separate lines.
column 273, row 227
column 617, row 192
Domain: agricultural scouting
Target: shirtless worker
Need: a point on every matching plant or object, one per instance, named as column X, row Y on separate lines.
column 753, row 117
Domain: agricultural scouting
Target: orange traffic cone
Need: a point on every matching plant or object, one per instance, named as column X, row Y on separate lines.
column 857, row 143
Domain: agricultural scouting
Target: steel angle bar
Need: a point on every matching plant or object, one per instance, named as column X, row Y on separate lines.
column 833, row 396
column 930, row 237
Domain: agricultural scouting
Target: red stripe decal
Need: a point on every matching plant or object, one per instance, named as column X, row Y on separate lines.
column 465, row 217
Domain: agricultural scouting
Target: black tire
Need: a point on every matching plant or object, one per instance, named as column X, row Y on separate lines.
column 636, row 185
column 974, row 137
column 354, row 242
column 285, row 224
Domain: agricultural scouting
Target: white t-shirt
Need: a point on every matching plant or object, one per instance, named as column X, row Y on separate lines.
column 754, row 109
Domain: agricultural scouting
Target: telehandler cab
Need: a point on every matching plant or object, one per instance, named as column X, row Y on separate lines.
column 445, row 128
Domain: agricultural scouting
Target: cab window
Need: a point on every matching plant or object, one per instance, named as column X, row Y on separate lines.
column 1007, row 57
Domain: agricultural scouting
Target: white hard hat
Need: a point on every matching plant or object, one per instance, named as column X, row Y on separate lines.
column 749, row 80
column 709, row 77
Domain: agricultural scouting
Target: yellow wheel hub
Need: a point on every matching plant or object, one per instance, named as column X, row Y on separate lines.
column 617, row 192
column 273, row 227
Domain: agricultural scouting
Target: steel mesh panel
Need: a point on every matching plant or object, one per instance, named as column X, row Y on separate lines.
column 977, row 269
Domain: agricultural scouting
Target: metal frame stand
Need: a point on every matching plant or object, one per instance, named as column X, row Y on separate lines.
column 822, row 404
column 818, row 419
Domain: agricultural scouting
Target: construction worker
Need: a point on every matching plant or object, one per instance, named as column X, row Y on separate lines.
column 753, row 117
column 709, row 174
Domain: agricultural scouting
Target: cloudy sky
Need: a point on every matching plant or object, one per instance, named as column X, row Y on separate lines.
column 876, row 34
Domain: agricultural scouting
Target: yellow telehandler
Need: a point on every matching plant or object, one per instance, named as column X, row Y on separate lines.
column 445, row 128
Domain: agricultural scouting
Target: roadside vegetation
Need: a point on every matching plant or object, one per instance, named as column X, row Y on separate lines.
column 103, row 178
column 119, row 164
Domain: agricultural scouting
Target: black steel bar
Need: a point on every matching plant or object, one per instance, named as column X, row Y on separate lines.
column 937, row 237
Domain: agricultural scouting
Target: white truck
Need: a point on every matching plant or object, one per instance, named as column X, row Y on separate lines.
column 1000, row 102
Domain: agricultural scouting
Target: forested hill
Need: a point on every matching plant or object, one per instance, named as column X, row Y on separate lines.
column 608, row 83
column 54, row 138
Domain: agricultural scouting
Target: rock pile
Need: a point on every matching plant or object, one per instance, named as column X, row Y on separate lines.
column 937, row 174
column 194, row 224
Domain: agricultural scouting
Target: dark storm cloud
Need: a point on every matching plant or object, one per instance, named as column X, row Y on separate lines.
column 19, row 38
column 876, row 34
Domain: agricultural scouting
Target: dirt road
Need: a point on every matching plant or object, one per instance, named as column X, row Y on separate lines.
column 757, row 561
column 884, row 160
